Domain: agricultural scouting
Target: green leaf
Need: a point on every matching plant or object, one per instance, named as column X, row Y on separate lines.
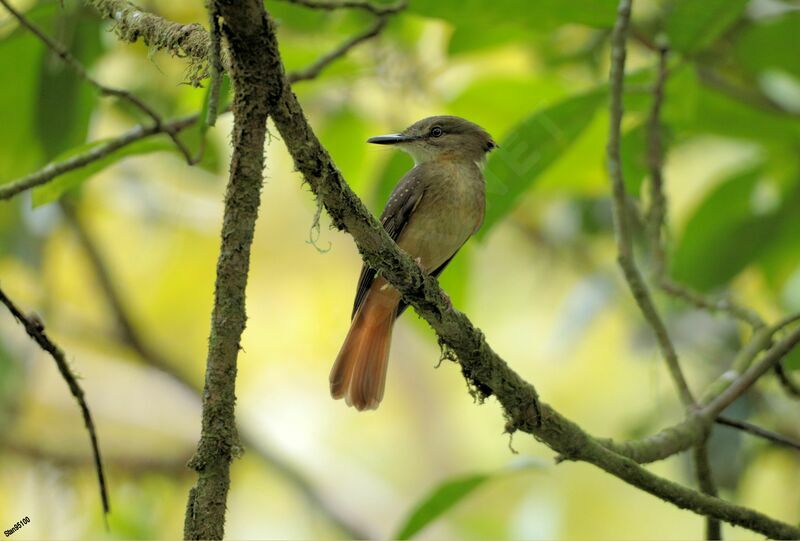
column 398, row 164
column 53, row 190
column 530, row 148
column 476, row 18
column 66, row 100
column 21, row 54
column 694, row 24
column 452, row 491
column 771, row 44
column 792, row 360
column 443, row 498
column 725, row 233
column 692, row 107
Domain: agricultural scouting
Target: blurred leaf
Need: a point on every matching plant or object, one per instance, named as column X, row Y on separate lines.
column 494, row 102
column 444, row 497
column 792, row 360
column 771, row 44
column 398, row 164
column 47, row 193
column 451, row 492
column 724, row 234
column 344, row 135
column 531, row 147
column 694, row 24
column 542, row 14
column 21, row 54
column 694, row 107
column 634, row 149
column 66, row 100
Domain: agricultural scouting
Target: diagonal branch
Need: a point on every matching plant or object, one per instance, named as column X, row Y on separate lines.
column 35, row 329
column 768, row 435
column 330, row 5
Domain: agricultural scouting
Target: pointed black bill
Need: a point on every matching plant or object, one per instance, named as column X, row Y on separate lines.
column 391, row 139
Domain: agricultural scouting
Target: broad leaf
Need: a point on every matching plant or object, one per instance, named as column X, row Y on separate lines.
column 449, row 493
column 725, row 234
column 443, row 498
column 771, row 44
column 530, row 148
column 694, row 24
column 53, row 190
column 66, row 100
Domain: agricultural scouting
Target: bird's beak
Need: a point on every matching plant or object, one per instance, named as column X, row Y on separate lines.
column 391, row 139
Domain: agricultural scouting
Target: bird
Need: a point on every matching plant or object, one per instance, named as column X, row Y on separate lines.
column 430, row 214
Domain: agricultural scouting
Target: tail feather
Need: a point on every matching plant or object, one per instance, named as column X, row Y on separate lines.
column 359, row 373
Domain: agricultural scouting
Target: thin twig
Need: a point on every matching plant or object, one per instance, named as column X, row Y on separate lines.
column 791, row 387
column 133, row 338
column 750, row 428
column 657, row 213
column 316, row 68
column 81, row 71
column 375, row 9
column 35, row 329
column 746, row 380
column 53, row 170
column 655, row 221
column 625, row 255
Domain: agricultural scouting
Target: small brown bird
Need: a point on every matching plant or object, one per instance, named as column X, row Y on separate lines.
column 431, row 213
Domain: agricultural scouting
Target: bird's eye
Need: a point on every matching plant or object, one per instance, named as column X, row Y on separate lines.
column 436, row 131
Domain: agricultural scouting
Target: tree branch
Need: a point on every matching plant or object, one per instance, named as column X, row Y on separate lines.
column 130, row 336
column 755, row 430
column 242, row 24
column 35, row 329
column 54, row 170
column 375, row 9
column 625, row 257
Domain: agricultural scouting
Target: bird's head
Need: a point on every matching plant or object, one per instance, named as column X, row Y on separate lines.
column 441, row 136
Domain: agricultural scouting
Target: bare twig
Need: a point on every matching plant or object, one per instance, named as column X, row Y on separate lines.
column 625, row 257
column 791, row 387
column 54, row 170
column 35, row 329
column 316, row 68
column 656, row 215
column 133, row 338
column 330, row 5
column 750, row 428
column 78, row 68
column 742, row 383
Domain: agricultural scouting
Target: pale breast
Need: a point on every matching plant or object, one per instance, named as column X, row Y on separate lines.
column 450, row 211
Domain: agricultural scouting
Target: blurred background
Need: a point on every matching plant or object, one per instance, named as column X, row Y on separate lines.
column 119, row 262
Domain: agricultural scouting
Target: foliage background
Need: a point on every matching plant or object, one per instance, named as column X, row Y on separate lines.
column 540, row 281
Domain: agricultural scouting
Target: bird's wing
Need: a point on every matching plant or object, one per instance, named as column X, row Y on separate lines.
column 404, row 199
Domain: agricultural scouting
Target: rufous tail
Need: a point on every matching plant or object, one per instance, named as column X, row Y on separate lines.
column 359, row 373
